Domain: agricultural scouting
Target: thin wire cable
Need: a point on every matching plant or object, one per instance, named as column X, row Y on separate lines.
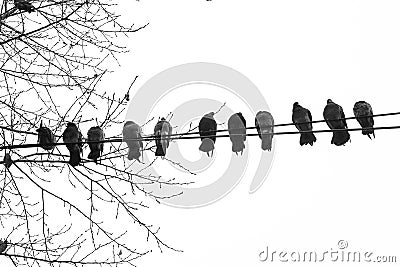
column 292, row 123
column 119, row 140
column 248, row 128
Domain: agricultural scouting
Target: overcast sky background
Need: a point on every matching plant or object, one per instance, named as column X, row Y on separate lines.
column 305, row 51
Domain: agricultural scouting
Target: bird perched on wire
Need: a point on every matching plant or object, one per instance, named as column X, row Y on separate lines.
column 132, row 135
column 208, row 131
column 361, row 111
column 162, row 132
column 24, row 5
column 265, row 128
column 94, row 134
column 335, row 118
column 73, row 135
column 302, row 118
column 45, row 137
column 7, row 160
column 237, row 132
column 3, row 246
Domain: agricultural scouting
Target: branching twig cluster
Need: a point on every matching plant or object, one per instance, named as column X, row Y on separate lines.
column 52, row 60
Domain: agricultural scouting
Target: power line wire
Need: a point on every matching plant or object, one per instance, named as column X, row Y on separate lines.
column 248, row 128
column 119, row 140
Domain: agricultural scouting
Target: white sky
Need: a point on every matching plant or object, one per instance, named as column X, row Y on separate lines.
column 304, row 51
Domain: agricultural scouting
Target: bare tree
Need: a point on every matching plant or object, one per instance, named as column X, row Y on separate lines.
column 54, row 55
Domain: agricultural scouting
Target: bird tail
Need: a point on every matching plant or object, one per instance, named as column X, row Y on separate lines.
column 75, row 156
column 207, row 145
column 340, row 138
column 134, row 153
column 365, row 124
column 238, row 146
column 368, row 132
column 160, row 150
column 266, row 143
column 266, row 140
column 307, row 138
column 94, row 154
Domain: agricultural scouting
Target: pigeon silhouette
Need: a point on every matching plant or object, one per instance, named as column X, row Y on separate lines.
column 46, row 137
column 73, row 135
column 265, row 128
column 362, row 109
column 95, row 133
column 7, row 160
column 208, row 131
column 132, row 133
column 335, row 118
column 3, row 246
column 237, row 132
column 302, row 118
column 24, row 5
column 162, row 131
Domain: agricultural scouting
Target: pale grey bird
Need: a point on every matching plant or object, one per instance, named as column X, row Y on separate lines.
column 132, row 135
column 361, row 111
column 335, row 118
column 162, row 132
column 46, row 137
column 208, row 131
column 73, row 135
column 95, row 133
column 237, row 132
column 265, row 128
column 302, row 118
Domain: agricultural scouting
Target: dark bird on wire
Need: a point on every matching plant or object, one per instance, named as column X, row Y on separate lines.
column 335, row 118
column 132, row 135
column 265, row 128
column 7, row 160
column 208, row 131
column 237, row 132
column 73, row 135
column 302, row 118
column 24, row 5
column 361, row 110
column 162, row 132
column 46, row 137
column 95, row 133
column 3, row 246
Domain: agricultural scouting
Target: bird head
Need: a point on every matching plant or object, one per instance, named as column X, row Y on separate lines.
column 329, row 101
column 295, row 104
column 210, row 115
column 71, row 124
column 162, row 119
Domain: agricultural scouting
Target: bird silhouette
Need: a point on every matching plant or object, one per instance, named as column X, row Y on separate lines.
column 24, row 5
column 162, row 131
column 237, row 132
column 302, row 118
column 362, row 109
column 265, row 128
column 132, row 135
column 46, row 137
column 3, row 246
column 335, row 118
column 7, row 160
column 208, row 131
column 73, row 135
column 95, row 133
